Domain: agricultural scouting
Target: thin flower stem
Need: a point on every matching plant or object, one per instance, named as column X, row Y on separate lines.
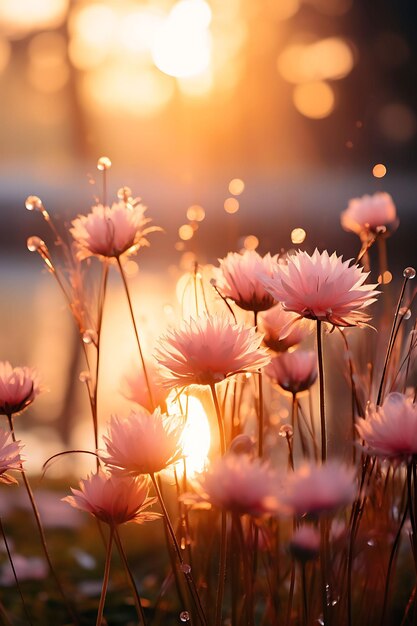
column 324, row 567
column 321, row 391
column 222, row 434
column 304, row 593
column 9, row 555
column 260, row 417
column 188, row 576
column 41, row 532
column 132, row 315
column 100, row 611
column 94, row 408
column 290, row 596
column 390, row 344
column 246, row 571
column 136, row 596
column 394, row 549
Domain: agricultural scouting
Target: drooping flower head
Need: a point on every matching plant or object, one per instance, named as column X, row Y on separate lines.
column 19, row 386
column 315, row 489
column 238, row 279
column 390, row 430
column 207, row 350
column 323, row 287
column 110, row 231
column 9, row 457
column 236, row 483
column 283, row 329
column 134, row 386
column 305, row 543
column 293, row 371
column 114, row 499
column 367, row 213
column 142, row 443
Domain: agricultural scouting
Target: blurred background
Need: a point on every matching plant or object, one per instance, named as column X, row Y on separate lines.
column 240, row 123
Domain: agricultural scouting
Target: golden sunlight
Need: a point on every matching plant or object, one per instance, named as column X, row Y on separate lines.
column 182, row 46
column 196, row 437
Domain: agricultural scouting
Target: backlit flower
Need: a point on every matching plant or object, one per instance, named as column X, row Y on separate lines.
column 9, row 457
column 114, row 499
column 19, row 386
column 134, row 387
column 236, row 483
column 283, row 329
column 315, row 489
column 369, row 212
column 293, row 371
column 238, row 279
column 110, row 231
column 390, row 430
column 322, row 287
column 142, row 443
column 207, row 350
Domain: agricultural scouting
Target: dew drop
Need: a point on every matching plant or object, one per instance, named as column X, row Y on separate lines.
column 33, row 202
column 34, row 244
column 184, row 616
column 381, row 230
column 103, row 163
column 183, row 544
column 124, row 193
column 84, row 376
column 186, row 568
column 409, row 273
column 90, row 336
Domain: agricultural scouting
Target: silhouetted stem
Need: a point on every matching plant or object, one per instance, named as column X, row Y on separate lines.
column 132, row 315
column 188, row 576
column 136, row 596
column 14, row 572
column 321, row 392
column 41, row 532
column 106, row 574
column 391, row 563
column 219, row 416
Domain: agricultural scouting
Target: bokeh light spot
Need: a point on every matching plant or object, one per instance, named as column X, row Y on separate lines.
column 251, row 242
column 298, row 235
column 231, row 205
column 314, row 100
column 185, row 232
column 379, row 170
column 236, row 186
column 196, row 213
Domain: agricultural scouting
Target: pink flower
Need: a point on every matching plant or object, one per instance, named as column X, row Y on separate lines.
column 323, row 287
column 283, row 329
column 142, row 443
column 110, row 231
column 305, row 543
column 19, row 386
column 368, row 212
column 236, row 483
column 391, row 429
column 315, row 489
column 9, row 457
column 134, row 387
column 114, row 499
column 207, row 350
column 237, row 279
column 293, row 371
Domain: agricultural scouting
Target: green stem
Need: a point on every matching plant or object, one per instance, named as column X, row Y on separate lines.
column 132, row 315
column 321, row 391
column 100, row 611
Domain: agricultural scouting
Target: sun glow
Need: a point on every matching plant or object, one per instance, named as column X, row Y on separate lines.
column 196, row 434
column 182, row 47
